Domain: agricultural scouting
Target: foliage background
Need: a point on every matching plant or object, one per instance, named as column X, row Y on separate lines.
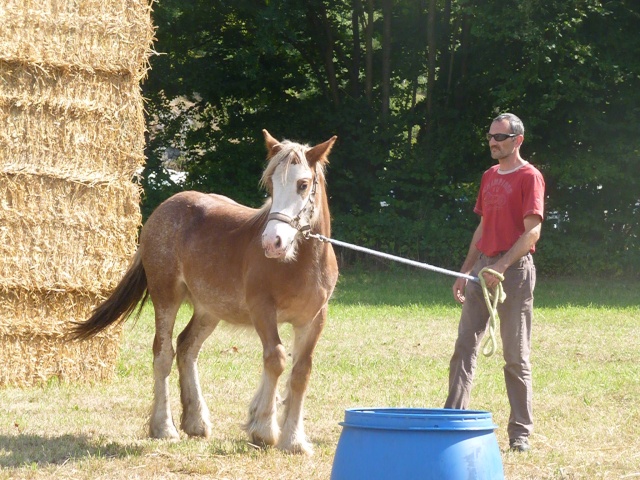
column 409, row 87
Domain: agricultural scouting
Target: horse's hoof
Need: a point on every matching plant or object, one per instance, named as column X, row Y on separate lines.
column 296, row 447
column 261, row 442
column 199, row 429
column 165, row 433
column 262, row 434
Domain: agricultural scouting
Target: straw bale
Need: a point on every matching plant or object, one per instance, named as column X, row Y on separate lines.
column 68, row 118
column 56, row 234
column 50, row 199
column 34, row 347
column 47, row 313
column 35, row 359
column 71, row 144
column 109, row 35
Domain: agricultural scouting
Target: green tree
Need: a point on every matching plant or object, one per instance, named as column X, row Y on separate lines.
column 409, row 87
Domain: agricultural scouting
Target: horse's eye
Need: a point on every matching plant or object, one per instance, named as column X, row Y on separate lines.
column 302, row 187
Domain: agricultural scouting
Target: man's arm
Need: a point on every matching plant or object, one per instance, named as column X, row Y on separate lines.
column 472, row 257
column 531, row 235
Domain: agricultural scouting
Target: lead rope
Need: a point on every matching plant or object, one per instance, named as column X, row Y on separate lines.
column 492, row 298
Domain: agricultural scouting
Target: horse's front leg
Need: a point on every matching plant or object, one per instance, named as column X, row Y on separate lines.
column 262, row 425
column 293, row 437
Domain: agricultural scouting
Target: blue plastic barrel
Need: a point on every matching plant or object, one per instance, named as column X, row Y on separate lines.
column 410, row 443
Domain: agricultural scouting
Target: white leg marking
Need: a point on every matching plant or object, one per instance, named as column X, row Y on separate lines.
column 196, row 419
column 262, row 425
column 161, row 423
column 293, row 437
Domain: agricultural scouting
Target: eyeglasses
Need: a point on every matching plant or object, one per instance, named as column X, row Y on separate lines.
column 500, row 137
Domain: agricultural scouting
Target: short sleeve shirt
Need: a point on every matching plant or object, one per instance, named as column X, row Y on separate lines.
column 504, row 200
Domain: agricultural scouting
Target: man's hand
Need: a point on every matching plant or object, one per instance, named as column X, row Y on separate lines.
column 490, row 280
column 458, row 289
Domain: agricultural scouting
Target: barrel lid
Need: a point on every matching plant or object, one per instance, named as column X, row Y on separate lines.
column 418, row 419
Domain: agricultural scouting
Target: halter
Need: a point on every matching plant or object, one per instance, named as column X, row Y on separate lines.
column 308, row 206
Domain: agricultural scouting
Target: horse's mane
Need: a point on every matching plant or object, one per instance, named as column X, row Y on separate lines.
column 260, row 218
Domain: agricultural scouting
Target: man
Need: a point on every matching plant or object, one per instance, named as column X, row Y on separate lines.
column 510, row 204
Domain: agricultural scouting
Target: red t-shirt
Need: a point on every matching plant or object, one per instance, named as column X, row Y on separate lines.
column 504, row 200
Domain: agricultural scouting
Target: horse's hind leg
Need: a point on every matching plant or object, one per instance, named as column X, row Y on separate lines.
column 195, row 414
column 161, row 423
column 293, row 437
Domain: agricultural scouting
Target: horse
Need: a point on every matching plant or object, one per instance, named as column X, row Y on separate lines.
column 245, row 266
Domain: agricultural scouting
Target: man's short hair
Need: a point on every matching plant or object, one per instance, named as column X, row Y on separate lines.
column 515, row 123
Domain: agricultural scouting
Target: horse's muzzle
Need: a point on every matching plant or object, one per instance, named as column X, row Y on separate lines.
column 273, row 246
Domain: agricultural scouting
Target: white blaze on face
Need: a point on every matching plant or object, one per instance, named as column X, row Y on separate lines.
column 291, row 188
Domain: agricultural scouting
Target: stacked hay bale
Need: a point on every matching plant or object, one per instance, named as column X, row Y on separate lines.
column 71, row 142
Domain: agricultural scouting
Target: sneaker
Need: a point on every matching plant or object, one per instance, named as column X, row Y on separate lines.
column 519, row 444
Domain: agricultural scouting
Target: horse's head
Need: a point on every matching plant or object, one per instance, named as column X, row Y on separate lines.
column 292, row 178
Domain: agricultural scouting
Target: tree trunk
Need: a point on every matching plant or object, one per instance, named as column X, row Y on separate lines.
column 465, row 38
column 368, row 32
column 414, row 101
column 446, row 40
column 387, row 7
column 321, row 25
column 355, row 61
column 431, row 61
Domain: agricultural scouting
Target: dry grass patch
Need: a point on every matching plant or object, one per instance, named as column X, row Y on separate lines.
column 387, row 343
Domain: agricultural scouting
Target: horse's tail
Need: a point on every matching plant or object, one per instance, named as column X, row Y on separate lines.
column 120, row 304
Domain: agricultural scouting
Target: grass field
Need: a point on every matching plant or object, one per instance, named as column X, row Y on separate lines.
column 387, row 343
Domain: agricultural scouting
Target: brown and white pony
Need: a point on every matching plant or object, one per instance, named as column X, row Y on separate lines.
column 244, row 266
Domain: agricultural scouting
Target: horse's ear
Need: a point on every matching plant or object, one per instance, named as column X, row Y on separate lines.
column 273, row 145
column 320, row 151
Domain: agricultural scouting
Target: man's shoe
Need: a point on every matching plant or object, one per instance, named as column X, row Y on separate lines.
column 519, row 444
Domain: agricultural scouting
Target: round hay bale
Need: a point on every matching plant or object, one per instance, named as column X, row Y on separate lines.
column 71, row 142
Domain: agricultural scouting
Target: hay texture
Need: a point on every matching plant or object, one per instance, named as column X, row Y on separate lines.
column 71, row 142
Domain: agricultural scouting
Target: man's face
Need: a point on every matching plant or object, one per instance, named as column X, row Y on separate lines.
column 505, row 148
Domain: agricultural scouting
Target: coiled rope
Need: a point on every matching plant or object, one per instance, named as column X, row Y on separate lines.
column 492, row 298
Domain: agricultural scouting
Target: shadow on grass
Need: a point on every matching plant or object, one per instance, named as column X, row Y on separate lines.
column 27, row 450
column 234, row 446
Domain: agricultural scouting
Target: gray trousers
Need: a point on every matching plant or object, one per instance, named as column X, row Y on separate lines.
column 515, row 314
